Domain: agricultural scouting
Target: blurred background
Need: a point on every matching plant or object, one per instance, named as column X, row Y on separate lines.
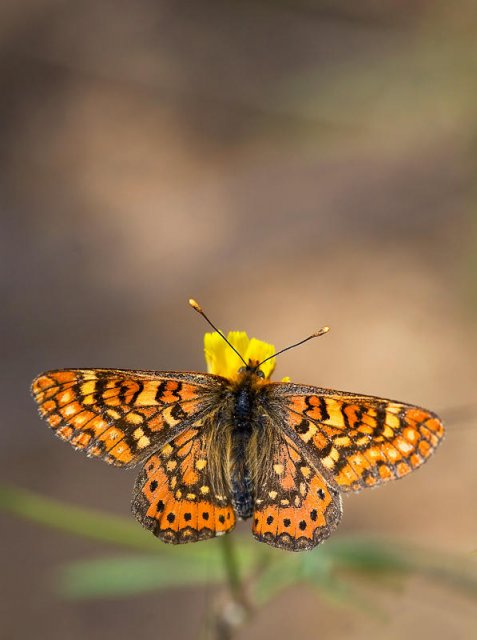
column 288, row 163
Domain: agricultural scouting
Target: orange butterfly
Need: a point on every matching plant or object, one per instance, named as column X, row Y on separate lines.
column 217, row 447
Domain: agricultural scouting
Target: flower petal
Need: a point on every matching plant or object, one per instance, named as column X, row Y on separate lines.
column 223, row 361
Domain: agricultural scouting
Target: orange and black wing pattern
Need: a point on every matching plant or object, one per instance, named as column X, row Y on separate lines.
column 295, row 508
column 173, row 495
column 122, row 416
column 358, row 441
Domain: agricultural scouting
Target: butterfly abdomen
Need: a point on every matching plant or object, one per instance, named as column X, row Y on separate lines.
column 240, row 476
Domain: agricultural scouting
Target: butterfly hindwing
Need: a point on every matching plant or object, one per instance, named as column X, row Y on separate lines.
column 359, row 441
column 121, row 416
column 173, row 496
column 295, row 507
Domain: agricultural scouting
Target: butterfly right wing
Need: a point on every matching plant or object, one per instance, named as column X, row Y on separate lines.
column 295, row 507
column 122, row 416
column 359, row 441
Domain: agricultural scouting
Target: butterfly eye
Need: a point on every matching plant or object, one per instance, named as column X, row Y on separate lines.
column 242, row 369
column 260, row 374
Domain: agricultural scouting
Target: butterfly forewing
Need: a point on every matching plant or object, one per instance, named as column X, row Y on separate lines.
column 122, row 416
column 359, row 441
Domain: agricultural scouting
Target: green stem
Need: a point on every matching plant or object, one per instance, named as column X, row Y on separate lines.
column 232, row 572
column 234, row 614
column 231, row 567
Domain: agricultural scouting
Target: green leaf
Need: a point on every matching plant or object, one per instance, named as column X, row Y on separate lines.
column 333, row 567
column 127, row 576
column 341, row 593
column 92, row 524
column 368, row 557
column 77, row 520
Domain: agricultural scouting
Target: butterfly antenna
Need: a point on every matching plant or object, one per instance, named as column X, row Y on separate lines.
column 196, row 306
column 321, row 332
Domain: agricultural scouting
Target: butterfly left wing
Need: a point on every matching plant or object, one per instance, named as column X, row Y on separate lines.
column 174, row 497
column 295, row 507
column 122, row 416
column 359, row 441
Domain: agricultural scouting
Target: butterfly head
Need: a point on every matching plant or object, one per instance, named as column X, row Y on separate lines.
column 252, row 369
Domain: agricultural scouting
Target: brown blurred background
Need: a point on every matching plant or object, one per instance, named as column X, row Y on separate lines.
column 289, row 164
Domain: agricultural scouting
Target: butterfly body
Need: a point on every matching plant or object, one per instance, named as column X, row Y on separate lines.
column 234, row 439
column 241, row 485
column 216, row 448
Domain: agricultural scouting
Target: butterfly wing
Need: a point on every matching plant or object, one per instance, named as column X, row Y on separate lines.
column 173, row 496
column 359, row 441
column 122, row 416
column 296, row 508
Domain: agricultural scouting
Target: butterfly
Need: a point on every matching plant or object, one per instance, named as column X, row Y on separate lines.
column 217, row 448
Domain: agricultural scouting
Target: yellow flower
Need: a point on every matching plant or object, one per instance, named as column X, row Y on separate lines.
column 223, row 361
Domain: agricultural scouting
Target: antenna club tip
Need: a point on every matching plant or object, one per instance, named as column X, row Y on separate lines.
column 322, row 331
column 195, row 305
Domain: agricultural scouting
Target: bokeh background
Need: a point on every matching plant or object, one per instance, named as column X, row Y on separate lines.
column 288, row 163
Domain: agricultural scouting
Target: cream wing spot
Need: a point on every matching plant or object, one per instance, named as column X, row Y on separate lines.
column 334, row 412
column 308, row 435
column 342, row 441
column 366, row 429
column 88, row 389
column 403, row 446
column 143, row 442
column 374, row 453
column 66, row 396
column 78, row 420
column 169, row 419
column 391, row 452
column 167, row 450
column 392, row 420
column 134, row 418
column 328, row 462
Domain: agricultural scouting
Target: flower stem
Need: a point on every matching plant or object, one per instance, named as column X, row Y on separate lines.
column 236, row 612
column 233, row 572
